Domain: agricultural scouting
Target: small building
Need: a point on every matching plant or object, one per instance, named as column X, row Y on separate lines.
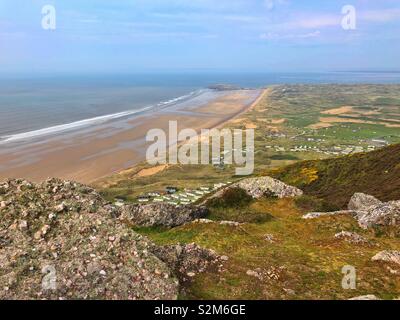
column 144, row 198
column 154, row 194
column 379, row 142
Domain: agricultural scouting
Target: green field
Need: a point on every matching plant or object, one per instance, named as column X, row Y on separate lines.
column 303, row 110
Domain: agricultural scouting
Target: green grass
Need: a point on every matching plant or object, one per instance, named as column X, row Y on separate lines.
column 354, row 132
column 235, row 204
column 336, row 180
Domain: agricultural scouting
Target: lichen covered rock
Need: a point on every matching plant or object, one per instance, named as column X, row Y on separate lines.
column 351, row 237
column 315, row 215
column 163, row 214
column 259, row 187
column 61, row 240
column 388, row 256
column 362, row 201
column 188, row 260
column 384, row 214
column 368, row 211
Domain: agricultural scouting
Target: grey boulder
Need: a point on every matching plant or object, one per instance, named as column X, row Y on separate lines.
column 362, row 201
column 388, row 256
column 162, row 214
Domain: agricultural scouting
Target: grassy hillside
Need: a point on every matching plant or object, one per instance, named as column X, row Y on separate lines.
column 289, row 257
column 336, row 180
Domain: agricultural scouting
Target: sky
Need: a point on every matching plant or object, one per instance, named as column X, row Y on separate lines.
column 132, row 36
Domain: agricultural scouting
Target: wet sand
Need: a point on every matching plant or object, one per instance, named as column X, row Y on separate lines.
column 88, row 154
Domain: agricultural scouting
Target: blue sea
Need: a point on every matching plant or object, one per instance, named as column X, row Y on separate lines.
column 28, row 104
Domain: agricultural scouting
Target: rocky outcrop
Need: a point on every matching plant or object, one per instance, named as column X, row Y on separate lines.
column 188, row 260
column 260, row 187
column 162, row 214
column 373, row 212
column 384, row 214
column 267, row 186
column 362, row 201
column 388, row 256
column 61, row 240
column 369, row 211
column 351, row 237
column 314, row 215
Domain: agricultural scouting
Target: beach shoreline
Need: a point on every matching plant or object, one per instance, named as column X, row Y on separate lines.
column 93, row 153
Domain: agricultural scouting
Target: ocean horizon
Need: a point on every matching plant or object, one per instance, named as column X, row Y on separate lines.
column 33, row 106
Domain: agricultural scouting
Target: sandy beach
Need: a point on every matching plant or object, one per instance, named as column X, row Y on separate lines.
column 90, row 153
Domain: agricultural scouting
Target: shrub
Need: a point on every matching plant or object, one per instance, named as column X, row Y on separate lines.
column 241, row 215
column 231, row 198
column 310, row 203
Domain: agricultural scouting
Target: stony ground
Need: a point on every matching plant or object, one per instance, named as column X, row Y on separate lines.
column 61, row 240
